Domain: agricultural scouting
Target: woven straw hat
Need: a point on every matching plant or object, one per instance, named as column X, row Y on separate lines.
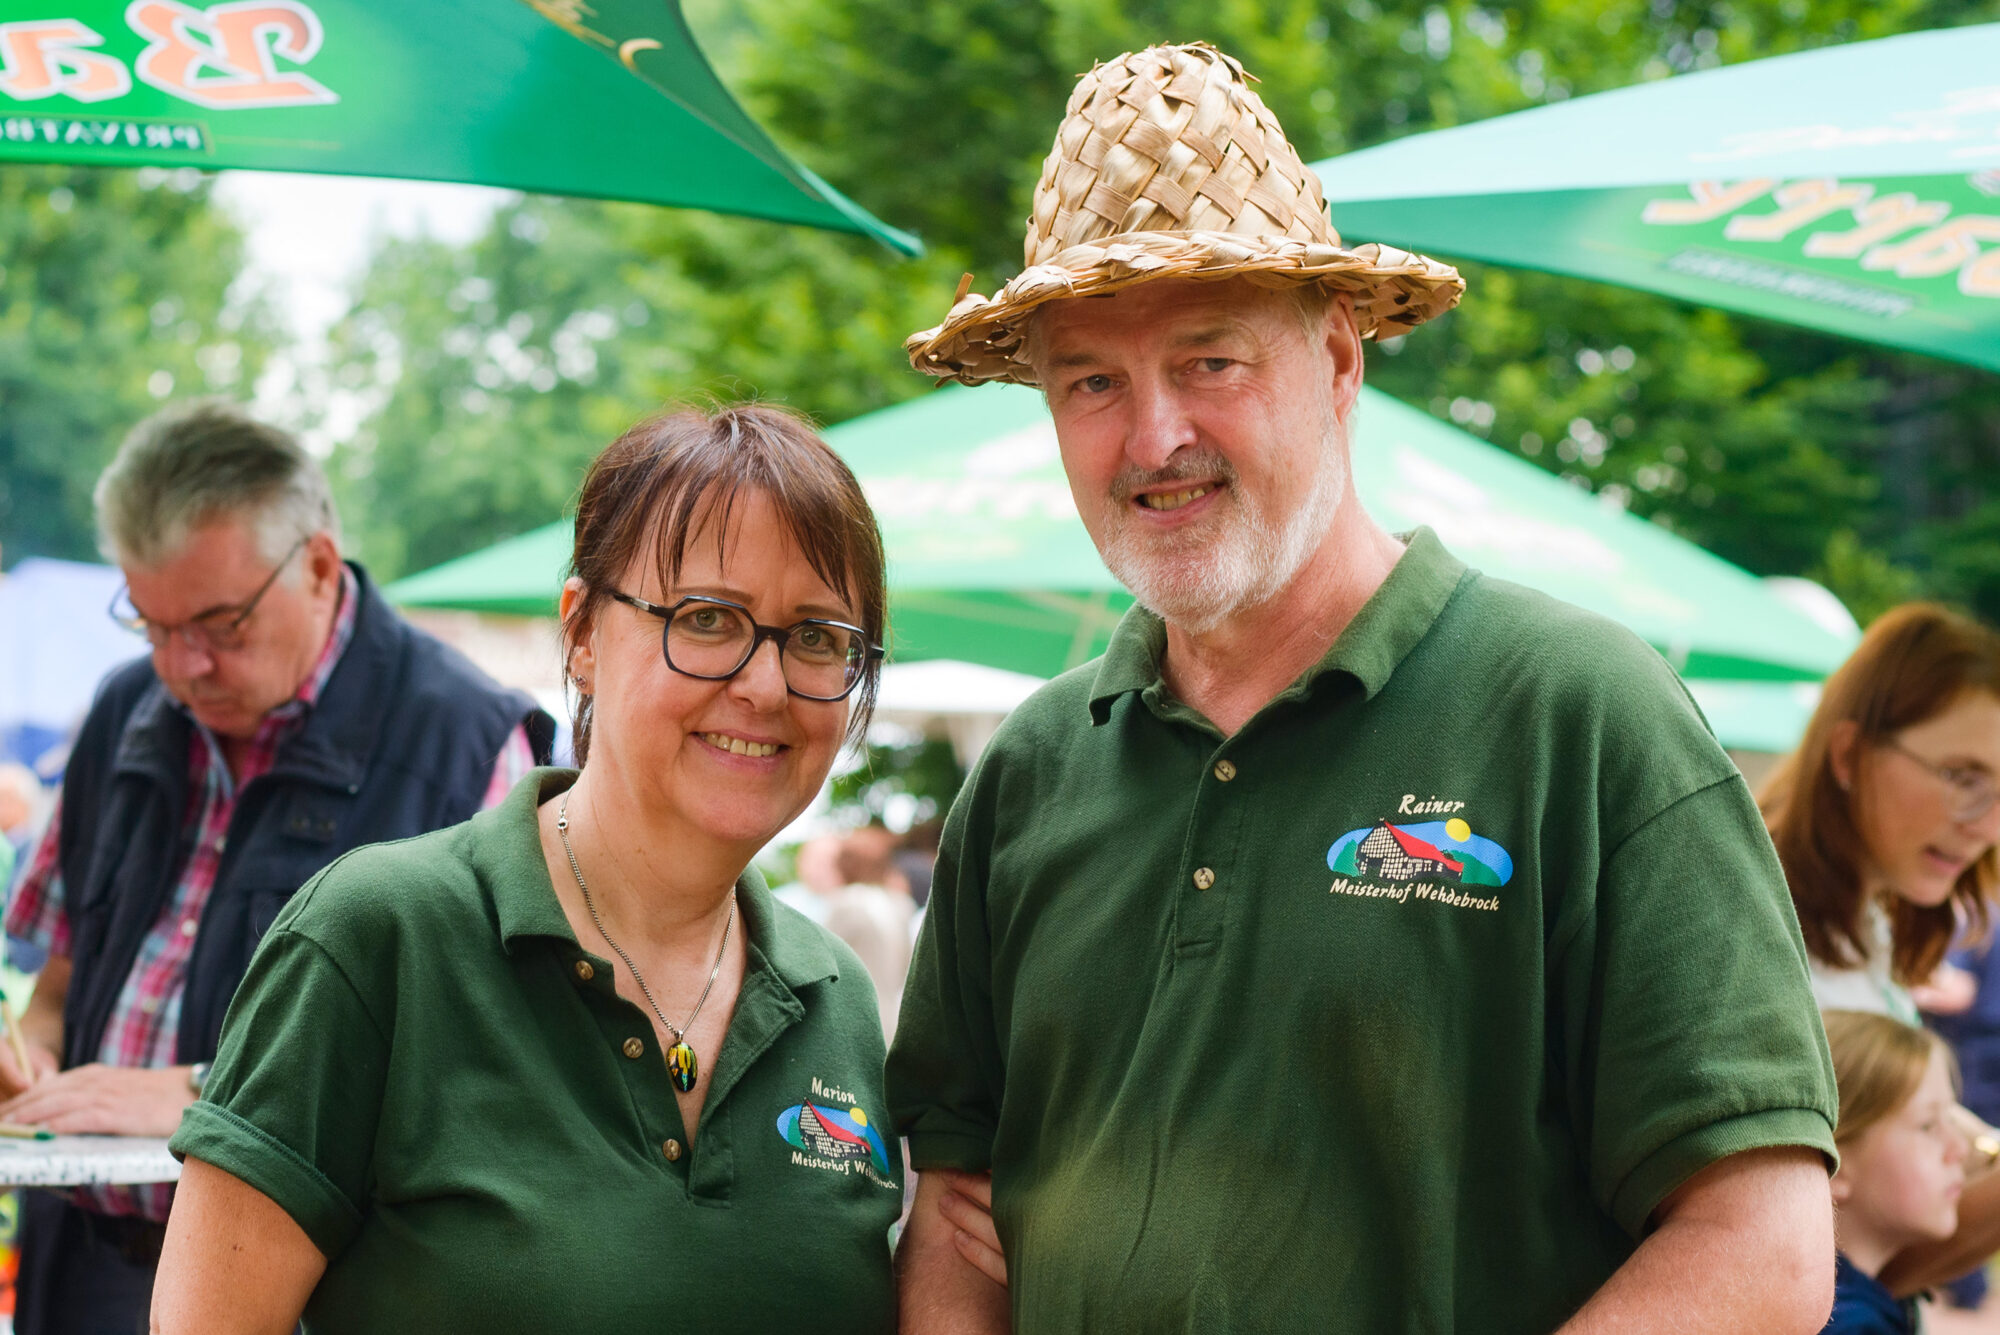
column 1167, row 166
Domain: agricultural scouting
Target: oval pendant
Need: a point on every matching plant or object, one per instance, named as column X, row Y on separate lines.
column 682, row 1066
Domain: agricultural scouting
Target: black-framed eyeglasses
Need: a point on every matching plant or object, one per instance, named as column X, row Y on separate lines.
column 1975, row 790
column 713, row 638
column 220, row 631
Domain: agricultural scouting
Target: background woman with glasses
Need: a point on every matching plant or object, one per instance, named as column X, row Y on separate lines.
column 1885, row 821
column 569, row 1065
column 1885, row 817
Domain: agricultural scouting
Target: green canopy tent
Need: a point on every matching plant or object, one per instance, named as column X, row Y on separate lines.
column 1853, row 189
column 988, row 562
column 610, row 99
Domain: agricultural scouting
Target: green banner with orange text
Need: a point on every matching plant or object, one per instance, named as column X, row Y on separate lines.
column 541, row 95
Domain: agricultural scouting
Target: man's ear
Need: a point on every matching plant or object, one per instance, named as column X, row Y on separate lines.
column 322, row 563
column 1842, row 1186
column 1343, row 346
column 1843, row 750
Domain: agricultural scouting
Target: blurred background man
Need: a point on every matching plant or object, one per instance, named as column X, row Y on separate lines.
column 284, row 716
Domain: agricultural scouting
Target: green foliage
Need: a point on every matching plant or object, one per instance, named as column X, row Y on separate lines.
column 498, row 370
column 925, row 769
column 114, row 296
column 1869, row 582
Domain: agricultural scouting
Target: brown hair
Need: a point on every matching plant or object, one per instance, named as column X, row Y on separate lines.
column 659, row 482
column 1878, row 1062
column 1915, row 662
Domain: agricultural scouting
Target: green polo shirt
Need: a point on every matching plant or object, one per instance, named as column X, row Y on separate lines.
column 427, row 1071
column 1398, row 1011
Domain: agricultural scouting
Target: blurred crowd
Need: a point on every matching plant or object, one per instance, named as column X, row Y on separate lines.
column 868, row 887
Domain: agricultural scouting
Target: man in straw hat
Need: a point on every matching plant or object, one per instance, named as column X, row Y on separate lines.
column 1361, row 943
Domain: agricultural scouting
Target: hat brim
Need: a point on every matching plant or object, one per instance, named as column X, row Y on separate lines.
column 1393, row 290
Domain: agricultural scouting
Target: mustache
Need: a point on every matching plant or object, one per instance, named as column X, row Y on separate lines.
column 1192, row 466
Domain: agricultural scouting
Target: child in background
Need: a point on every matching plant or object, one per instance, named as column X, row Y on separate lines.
column 1902, row 1161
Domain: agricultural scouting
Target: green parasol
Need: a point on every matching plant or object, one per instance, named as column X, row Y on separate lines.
column 1853, row 189
column 610, row 99
column 988, row 562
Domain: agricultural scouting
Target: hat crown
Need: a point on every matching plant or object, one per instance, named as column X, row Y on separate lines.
column 1171, row 139
column 1167, row 166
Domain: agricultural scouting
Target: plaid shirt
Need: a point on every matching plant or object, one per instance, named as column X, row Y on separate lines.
column 144, row 1028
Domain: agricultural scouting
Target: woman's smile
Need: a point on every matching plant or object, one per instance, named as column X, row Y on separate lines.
column 738, row 746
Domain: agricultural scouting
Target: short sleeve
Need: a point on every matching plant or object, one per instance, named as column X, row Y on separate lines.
column 944, row 1069
column 294, row 1098
column 1690, row 1031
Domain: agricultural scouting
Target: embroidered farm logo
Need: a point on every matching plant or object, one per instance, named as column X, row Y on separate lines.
column 1441, row 861
column 833, row 1138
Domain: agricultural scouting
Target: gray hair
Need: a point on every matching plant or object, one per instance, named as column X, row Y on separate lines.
column 191, row 464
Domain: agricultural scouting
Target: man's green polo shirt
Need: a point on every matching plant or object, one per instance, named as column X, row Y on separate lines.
column 431, row 1075
column 1400, row 1010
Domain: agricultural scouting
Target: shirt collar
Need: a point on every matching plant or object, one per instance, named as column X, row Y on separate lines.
column 1389, row 625
column 1863, row 1289
column 337, row 641
column 508, row 857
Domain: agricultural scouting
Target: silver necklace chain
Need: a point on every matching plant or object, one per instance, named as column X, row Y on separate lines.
column 679, row 1031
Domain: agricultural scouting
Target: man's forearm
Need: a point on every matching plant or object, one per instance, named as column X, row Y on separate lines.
column 939, row 1291
column 1745, row 1248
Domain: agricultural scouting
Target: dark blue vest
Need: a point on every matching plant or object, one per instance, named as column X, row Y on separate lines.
column 402, row 741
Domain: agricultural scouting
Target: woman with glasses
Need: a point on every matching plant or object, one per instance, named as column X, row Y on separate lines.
column 1885, row 817
column 568, row 1065
column 1885, row 820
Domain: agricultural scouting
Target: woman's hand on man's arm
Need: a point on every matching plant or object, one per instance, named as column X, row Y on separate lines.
column 234, row 1262
column 950, row 1272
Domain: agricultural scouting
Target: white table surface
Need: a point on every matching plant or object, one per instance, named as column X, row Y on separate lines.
column 78, row 1161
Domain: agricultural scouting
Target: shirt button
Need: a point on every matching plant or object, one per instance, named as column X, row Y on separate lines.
column 149, row 1005
column 584, row 973
column 672, row 1149
column 634, row 1048
column 1224, row 770
column 1203, row 878
column 188, row 926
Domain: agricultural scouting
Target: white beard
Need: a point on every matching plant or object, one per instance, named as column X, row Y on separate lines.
column 1238, row 559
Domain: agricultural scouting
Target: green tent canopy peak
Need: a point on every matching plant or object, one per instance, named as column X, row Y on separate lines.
column 1851, row 189
column 608, row 99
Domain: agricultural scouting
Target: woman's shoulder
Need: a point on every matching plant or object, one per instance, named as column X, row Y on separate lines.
column 1867, row 985
column 1860, row 988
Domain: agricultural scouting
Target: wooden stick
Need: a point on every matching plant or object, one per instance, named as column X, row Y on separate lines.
column 22, row 1131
